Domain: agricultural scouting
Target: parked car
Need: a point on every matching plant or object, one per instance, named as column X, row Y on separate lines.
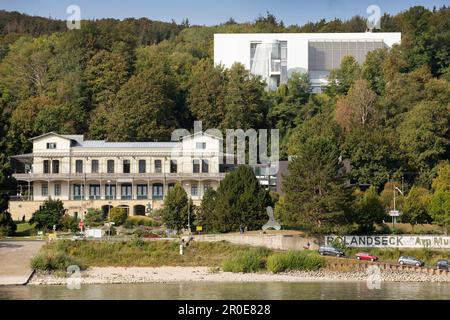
column 410, row 261
column 443, row 265
column 364, row 256
column 331, row 251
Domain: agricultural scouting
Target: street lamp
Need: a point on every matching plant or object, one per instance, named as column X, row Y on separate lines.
column 109, row 189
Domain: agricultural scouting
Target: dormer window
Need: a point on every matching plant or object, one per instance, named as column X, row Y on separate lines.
column 51, row 145
column 201, row 145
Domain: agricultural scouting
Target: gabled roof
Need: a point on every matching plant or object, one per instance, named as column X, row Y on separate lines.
column 191, row 136
column 51, row 134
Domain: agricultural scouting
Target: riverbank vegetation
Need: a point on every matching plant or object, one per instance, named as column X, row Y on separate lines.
column 57, row 256
column 135, row 253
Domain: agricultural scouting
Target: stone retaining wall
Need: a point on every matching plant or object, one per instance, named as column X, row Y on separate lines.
column 271, row 241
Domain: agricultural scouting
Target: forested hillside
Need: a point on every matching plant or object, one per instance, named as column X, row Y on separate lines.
column 138, row 79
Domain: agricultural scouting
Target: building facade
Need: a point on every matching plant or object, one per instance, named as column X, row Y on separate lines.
column 276, row 56
column 99, row 174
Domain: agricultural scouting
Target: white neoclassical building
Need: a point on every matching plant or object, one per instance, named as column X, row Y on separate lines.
column 275, row 56
column 99, row 174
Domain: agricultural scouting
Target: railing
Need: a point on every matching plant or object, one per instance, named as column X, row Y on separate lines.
column 275, row 66
column 115, row 176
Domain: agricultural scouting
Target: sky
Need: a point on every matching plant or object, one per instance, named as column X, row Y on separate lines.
column 211, row 12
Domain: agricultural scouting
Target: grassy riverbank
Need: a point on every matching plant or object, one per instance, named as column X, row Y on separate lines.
column 135, row 253
column 59, row 255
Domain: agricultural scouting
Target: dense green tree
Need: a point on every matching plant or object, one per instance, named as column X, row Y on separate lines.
column 442, row 181
column 424, row 136
column 7, row 225
column 289, row 99
column 372, row 72
column 175, row 212
column 369, row 211
column 118, row 216
column 144, row 109
column 206, row 216
column 207, row 93
column 94, row 217
column 106, row 72
column 241, row 201
column 246, row 103
column 69, row 223
column 316, row 193
column 415, row 207
column 25, row 68
column 402, row 92
column 439, row 209
column 373, row 155
column 48, row 215
column 342, row 78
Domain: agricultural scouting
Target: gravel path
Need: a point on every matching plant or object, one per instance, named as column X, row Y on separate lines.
column 196, row 274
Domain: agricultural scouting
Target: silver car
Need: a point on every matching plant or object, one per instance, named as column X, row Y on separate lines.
column 410, row 261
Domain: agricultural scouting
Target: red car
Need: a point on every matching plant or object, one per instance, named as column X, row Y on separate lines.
column 364, row 256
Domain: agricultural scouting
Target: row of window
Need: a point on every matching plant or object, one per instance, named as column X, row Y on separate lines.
column 111, row 192
column 126, row 166
column 199, row 145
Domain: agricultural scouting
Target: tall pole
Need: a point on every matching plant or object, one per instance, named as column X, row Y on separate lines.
column 395, row 209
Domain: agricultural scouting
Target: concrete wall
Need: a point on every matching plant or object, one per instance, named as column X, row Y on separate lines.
column 277, row 242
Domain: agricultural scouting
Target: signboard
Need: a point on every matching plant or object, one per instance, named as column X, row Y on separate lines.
column 389, row 241
column 394, row 213
column 199, row 228
column 94, row 233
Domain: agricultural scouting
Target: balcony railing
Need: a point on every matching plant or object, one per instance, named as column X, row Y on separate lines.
column 115, row 176
column 275, row 66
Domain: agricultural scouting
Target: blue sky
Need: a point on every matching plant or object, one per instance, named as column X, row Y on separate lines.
column 210, row 12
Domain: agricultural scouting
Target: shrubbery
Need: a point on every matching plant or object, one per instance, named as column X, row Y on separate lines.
column 94, row 218
column 118, row 216
column 294, row 260
column 261, row 259
column 54, row 262
column 138, row 221
column 247, row 261
column 7, row 225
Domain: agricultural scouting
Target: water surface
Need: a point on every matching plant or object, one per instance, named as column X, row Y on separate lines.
column 233, row 291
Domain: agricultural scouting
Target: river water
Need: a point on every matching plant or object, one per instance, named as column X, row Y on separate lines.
column 233, row 291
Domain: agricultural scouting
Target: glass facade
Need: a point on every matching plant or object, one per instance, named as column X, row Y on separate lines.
column 326, row 55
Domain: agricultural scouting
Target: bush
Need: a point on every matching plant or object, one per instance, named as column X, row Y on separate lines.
column 246, row 261
column 118, row 216
column 94, row 218
column 7, row 225
column 138, row 221
column 69, row 223
column 54, row 262
column 294, row 260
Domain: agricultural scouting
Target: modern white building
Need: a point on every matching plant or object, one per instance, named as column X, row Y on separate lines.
column 99, row 174
column 276, row 56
